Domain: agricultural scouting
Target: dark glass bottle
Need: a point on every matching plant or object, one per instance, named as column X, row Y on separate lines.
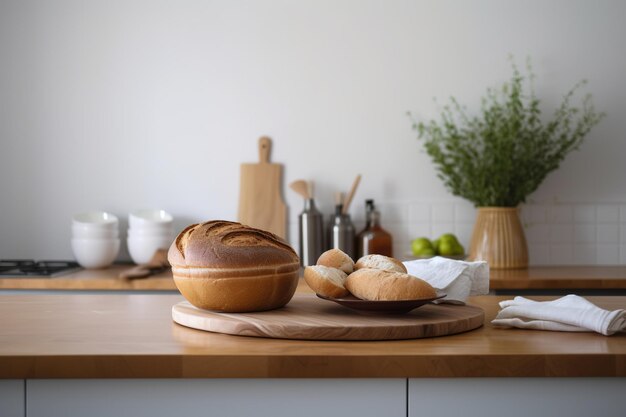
column 373, row 239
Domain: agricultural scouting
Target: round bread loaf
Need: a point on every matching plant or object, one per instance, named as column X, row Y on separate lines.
column 336, row 258
column 377, row 285
column 326, row 280
column 381, row 262
column 226, row 266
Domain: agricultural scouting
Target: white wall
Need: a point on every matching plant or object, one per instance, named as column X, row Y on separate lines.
column 124, row 104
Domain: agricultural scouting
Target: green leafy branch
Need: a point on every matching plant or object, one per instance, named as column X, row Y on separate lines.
column 502, row 155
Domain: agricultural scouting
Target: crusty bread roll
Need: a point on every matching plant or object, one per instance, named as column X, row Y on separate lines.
column 377, row 285
column 326, row 280
column 226, row 266
column 336, row 258
column 381, row 262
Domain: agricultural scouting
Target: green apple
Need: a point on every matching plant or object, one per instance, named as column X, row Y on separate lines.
column 422, row 247
column 448, row 245
column 459, row 249
column 427, row 252
column 446, row 248
column 448, row 237
column 436, row 245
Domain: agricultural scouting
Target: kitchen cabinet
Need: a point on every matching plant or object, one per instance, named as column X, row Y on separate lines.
column 12, row 398
column 516, row 397
column 121, row 354
column 217, row 397
column 414, row 397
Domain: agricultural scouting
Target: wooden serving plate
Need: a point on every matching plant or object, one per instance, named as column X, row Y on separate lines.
column 310, row 318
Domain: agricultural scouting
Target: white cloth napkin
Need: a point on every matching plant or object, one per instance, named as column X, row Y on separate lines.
column 458, row 279
column 566, row 314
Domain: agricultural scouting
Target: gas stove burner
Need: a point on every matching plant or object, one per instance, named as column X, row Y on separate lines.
column 31, row 268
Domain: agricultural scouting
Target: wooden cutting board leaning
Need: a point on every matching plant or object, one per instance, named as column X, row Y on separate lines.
column 260, row 198
column 310, row 318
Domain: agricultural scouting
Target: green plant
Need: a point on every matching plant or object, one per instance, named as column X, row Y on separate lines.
column 502, row 155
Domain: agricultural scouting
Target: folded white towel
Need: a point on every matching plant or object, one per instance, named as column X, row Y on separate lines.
column 458, row 279
column 566, row 314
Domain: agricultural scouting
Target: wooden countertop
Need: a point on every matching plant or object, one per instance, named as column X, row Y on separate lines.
column 96, row 279
column 133, row 336
column 548, row 277
column 559, row 277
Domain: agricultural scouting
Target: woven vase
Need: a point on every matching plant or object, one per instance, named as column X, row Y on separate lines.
column 499, row 239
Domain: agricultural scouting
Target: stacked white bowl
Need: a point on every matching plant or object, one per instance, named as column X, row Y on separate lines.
column 149, row 231
column 95, row 239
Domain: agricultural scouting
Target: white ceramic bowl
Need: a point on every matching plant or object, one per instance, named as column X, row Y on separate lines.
column 82, row 231
column 149, row 219
column 95, row 253
column 142, row 249
column 152, row 233
column 96, row 220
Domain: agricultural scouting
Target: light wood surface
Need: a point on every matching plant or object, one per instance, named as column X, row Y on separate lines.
column 133, row 336
column 549, row 277
column 93, row 279
column 306, row 317
column 350, row 196
column 260, row 200
column 560, row 277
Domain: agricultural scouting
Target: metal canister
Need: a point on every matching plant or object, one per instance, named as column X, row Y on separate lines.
column 311, row 228
column 341, row 232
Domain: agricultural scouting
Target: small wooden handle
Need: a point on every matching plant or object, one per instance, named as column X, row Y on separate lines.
column 138, row 271
column 265, row 146
column 339, row 199
column 346, row 204
column 157, row 264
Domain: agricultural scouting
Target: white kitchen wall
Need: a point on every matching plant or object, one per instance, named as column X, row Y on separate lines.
column 125, row 104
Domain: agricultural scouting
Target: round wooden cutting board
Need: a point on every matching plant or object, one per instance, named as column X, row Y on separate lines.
column 310, row 318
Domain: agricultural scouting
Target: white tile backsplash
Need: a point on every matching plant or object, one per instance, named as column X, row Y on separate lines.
column 419, row 213
column 419, row 230
column 607, row 213
column 438, row 229
column 608, row 254
column 442, row 213
column 464, row 213
column 608, row 233
column 584, row 213
column 538, row 233
column 585, row 254
column 559, row 234
column 538, row 213
column 463, row 232
column 400, row 232
column 561, row 254
column 584, row 233
column 539, row 254
column 394, row 212
column 561, row 214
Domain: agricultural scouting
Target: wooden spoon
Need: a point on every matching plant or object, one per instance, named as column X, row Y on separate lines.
column 301, row 187
column 355, row 184
column 339, row 199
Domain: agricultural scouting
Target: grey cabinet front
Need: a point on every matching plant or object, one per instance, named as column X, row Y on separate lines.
column 516, row 397
column 217, row 397
column 12, row 398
